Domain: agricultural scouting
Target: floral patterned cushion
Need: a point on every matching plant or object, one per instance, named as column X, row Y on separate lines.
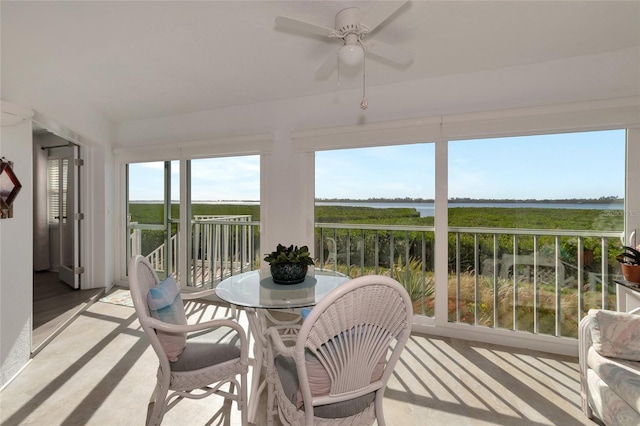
column 616, row 334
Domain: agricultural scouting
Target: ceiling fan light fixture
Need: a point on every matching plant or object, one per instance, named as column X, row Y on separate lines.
column 351, row 54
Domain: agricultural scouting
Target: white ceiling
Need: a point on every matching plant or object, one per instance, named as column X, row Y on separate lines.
column 137, row 60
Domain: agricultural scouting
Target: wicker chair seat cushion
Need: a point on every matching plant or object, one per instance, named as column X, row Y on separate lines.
column 165, row 304
column 205, row 349
column 286, row 369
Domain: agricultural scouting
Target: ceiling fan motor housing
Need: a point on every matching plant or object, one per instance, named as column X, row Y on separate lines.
column 348, row 21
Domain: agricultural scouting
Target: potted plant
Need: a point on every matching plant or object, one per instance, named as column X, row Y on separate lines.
column 630, row 263
column 289, row 265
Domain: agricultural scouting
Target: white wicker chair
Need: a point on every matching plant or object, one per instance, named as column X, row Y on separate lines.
column 355, row 335
column 212, row 358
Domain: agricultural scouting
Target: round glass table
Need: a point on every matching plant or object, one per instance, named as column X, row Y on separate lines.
column 256, row 293
column 256, row 289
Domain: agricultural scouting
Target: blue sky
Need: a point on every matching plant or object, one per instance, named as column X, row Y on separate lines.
column 573, row 165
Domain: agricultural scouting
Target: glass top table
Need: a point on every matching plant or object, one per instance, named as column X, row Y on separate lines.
column 256, row 293
column 256, row 289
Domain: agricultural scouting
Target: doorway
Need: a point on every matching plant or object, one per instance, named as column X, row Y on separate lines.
column 57, row 287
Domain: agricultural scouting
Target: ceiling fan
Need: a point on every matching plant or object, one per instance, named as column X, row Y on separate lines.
column 351, row 28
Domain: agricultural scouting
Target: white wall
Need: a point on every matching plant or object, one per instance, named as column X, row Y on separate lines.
column 85, row 126
column 65, row 113
column 16, row 257
column 99, row 224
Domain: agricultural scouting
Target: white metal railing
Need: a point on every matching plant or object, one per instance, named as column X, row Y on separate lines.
column 221, row 246
column 552, row 277
column 156, row 257
column 546, row 279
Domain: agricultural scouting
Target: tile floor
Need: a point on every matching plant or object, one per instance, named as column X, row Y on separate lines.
column 101, row 371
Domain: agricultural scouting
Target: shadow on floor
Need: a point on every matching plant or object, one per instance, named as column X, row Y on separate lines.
column 55, row 305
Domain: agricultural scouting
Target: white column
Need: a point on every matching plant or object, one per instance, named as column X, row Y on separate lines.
column 286, row 196
column 632, row 192
column 441, row 222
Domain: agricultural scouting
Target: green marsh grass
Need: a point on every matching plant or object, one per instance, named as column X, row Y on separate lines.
column 419, row 280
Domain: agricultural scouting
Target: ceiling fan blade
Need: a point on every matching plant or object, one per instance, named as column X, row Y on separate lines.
column 296, row 25
column 327, row 66
column 379, row 13
column 391, row 53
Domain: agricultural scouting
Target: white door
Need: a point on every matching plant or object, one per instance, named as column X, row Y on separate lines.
column 69, row 217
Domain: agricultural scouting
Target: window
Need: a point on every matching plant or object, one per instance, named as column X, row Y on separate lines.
column 533, row 229
column 374, row 215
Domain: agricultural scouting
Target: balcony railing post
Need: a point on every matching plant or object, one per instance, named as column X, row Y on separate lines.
column 580, row 277
column 515, row 282
column 362, row 250
column 605, row 273
column 496, row 299
column 536, row 304
column 558, row 298
column 476, row 267
column 522, row 266
column 391, row 253
column 406, row 255
column 458, row 289
column 423, row 270
column 377, row 251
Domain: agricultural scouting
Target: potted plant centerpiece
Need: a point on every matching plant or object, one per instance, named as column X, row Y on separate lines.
column 630, row 263
column 289, row 265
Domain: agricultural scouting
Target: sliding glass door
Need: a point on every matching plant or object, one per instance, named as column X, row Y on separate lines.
column 199, row 216
column 153, row 215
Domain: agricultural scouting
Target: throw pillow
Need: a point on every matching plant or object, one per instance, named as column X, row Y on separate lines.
column 616, row 334
column 165, row 304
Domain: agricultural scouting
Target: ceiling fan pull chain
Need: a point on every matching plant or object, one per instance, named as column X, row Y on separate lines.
column 365, row 103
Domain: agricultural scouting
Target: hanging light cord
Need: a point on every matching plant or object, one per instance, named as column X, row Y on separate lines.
column 365, row 103
column 339, row 81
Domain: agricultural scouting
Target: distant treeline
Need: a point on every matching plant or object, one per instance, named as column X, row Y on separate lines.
column 600, row 200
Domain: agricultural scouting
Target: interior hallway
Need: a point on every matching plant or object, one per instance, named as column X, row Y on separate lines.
column 55, row 304
column 100, row 370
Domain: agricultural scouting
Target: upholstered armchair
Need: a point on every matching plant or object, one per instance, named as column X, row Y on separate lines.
column 609, row 346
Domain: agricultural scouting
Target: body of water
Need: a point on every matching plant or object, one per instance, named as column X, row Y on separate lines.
column 428, row 209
